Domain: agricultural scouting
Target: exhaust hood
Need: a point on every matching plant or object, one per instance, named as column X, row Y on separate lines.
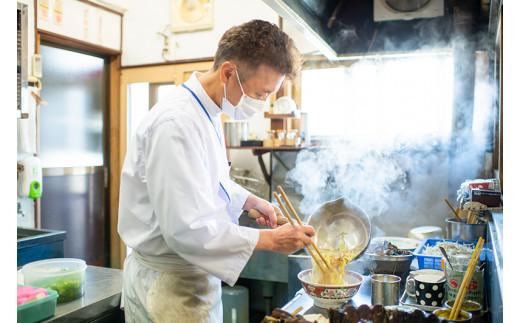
column 340, row 28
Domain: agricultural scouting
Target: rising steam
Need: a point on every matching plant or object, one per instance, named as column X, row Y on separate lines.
column 391, row 153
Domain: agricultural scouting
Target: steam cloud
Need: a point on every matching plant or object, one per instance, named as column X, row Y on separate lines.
column 398, row 181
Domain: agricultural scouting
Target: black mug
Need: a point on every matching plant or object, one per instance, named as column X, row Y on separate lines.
column 430, row 290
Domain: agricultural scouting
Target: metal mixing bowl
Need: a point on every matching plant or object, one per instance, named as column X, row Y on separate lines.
column 340, row 221
column 395, row 265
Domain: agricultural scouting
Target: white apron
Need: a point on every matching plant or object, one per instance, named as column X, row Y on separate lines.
column 164, row 293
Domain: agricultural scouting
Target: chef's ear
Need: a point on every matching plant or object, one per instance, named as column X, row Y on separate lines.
column 227, row 69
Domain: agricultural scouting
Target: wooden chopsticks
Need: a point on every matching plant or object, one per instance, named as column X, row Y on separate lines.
column 288, row 216
column 453, row 210
column 473, row 217
column 475, row 257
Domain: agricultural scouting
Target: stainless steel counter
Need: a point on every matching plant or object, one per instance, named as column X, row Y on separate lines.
column 102, row 296
column 495, row 263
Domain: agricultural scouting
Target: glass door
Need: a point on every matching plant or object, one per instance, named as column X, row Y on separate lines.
column 72, row 141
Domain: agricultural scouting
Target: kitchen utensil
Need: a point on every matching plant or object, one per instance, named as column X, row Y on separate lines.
column 467, row 279
column 297, row 217
column 472, row 307
column 385, row 289
column 429, row 289
column 64, row 275
column 410, row 280
column 443, row 315
column 453, row 209
column 331, row 296
column 288, row 202
column 395, row 265
column 254, row 214
column 445, row 254
column 323, row 267
column 455, row 277
column 235, row 131
column 456, row 230
column 425, row 232
column 340, row 222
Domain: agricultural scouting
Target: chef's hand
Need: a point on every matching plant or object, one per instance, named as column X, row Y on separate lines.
column 268, row 210
column 286, row 238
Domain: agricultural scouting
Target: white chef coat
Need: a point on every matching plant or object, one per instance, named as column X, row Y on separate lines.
column 177, row 202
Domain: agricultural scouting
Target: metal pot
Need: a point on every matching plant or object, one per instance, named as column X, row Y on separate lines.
column 235, row 131
column 395, row 265
column 340, row 219
column 456, row 230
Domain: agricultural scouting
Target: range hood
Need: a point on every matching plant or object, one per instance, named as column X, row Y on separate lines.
column 340, row 28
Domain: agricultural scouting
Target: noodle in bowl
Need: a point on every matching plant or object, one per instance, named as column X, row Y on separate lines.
column 327, row 296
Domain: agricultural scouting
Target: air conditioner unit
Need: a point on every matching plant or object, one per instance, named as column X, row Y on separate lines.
column 385, row 10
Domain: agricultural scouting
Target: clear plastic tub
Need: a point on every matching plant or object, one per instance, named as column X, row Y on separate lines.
column 64, row 275
column 37, row 310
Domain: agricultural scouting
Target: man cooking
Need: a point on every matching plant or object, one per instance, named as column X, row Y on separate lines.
column 178, row 208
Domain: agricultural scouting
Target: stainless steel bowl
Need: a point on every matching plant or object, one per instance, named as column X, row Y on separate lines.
column 342, row 222
column 395, row 265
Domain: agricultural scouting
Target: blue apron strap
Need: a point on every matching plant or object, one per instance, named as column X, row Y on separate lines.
column 203, row 109
column 218, row 136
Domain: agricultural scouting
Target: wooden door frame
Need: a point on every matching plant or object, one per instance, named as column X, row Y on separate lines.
column 113, row 125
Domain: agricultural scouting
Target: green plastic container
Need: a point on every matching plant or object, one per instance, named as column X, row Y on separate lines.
column 64, row 275
column 38, row 310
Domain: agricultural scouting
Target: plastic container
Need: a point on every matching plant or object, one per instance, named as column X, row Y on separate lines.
column 64, row 275
column 38, row 310
column 435, row 262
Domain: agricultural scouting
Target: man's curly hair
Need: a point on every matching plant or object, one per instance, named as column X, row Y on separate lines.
column 259, row 42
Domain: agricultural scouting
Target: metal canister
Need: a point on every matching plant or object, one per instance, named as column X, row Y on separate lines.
column 235, row 131
column 385, row 289
column 456, row 230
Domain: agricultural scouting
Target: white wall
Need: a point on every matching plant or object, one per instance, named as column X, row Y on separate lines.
column 143, row 20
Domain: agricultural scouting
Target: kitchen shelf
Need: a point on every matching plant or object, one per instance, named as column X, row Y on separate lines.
column 280, row 116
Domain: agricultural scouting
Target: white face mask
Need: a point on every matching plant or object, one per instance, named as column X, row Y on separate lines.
column 246, row 107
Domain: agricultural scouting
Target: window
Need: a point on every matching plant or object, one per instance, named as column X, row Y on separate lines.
column 384, row 98
column 141, row 97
